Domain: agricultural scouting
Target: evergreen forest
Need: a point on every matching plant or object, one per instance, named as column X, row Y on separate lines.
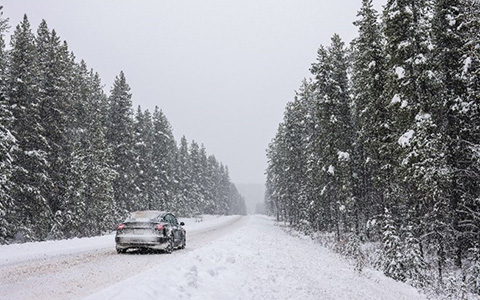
column 75, row 161
column 380, row 148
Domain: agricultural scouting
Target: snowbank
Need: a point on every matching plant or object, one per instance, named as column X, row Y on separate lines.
column 15, row 253
column 258, row 261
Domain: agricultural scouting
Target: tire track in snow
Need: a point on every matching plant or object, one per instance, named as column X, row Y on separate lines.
column 74, row 276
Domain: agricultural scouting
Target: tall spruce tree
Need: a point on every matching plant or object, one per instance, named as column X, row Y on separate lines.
column 97, row 158
column 409, row 96
column 335, row 131
column 7, row 142
column 121, row 140
column 370, row 116
column 311, row 191
column 31, row 178
column 206, row 182
column 183, row 179
column 145, row 195
column 468, row 110
column 54, row 96
column 197, row 197
column 164, row 158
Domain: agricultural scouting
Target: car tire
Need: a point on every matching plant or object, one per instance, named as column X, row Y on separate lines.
column 184, row 242
column 121, row 251
column 170, row 246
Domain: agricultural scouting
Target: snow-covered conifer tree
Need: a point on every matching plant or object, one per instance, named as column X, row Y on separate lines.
column 7, row 143
column 121, row 140
column 392, row 260
column 143, row 174
column 31, row 179
column 370, row 115
column 164, row 158
column 183, row 179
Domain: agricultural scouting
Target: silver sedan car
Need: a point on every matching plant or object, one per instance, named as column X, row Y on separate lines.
column 150, row 229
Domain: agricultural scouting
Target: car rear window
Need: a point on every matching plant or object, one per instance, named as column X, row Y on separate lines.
column 142, row 216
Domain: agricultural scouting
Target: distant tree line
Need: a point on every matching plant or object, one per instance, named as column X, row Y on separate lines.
column 74, row 161
column 383, row 141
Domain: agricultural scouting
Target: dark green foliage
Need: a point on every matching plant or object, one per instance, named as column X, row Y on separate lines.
column 369, row 114
column 120, row 138
column 164, row 156
column 73, row 161
column 32, row 181
column 7, row 142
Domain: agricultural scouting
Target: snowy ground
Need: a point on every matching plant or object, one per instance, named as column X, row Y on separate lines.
column 226, row 258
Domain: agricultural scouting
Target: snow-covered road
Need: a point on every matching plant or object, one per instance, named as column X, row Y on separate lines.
column 226, row 258
column 73, row 269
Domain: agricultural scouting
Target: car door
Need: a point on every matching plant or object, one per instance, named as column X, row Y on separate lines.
column 176, row 231
column 177, row 234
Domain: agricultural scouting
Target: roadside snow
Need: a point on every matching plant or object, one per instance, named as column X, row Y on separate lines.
column 15, row 253
column 258, row 261
column 73, row 269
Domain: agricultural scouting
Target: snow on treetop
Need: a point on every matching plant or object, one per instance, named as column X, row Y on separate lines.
column 422, row 117
column 323, row 190
column 396, row 99
column 331, row 170
column 420, row 59
column 404, row 140
column 466, row 65
column 400, row 72
column 343, row 156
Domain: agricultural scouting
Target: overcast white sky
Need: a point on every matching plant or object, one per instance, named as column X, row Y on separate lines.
column 221, row 70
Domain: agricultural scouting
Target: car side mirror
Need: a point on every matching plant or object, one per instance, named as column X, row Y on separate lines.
column 182, row 224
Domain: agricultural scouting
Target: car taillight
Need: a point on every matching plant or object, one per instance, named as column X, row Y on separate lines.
column 159, row 227
column 120, row 226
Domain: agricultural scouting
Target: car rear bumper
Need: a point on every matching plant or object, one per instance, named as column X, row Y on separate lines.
column 133, row 241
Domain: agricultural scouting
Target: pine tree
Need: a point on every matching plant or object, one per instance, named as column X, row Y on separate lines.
column 413, row 260
column 93, row 156
column 276, row 200
column 334, row 131
column 213, row 177
column 468, row 111
column 224, row 202
column 7, row 142
column 31, row 179
column 392, row 264
column 370, row 116
column 183, row 174
column 237, row 202
column 311, row 190
column 474, row 269
column 121, row 139
column 144, row 176
column 409, row 96
column 164, row 158
column 55, row 70
column 206, row 180
column 197, row 198
column 294, row 166
column 97, row 158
